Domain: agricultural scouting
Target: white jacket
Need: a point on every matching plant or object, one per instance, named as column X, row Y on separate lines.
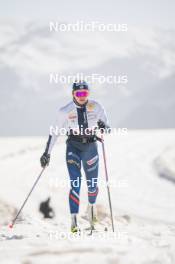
column 67, row 118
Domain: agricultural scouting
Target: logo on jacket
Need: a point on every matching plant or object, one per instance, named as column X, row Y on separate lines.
column 90, row 106
column 72, row 116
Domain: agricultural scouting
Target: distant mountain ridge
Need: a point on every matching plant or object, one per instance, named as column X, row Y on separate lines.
column 29, row 53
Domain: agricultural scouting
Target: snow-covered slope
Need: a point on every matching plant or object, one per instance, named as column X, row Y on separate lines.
column 143, row 203
column 165, row 164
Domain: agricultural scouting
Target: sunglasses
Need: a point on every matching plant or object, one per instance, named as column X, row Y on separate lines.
column 81, row 93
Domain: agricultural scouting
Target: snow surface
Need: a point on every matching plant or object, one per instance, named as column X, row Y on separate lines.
column 143, row 203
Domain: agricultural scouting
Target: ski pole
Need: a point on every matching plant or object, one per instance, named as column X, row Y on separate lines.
column 107, row 182
column 35, row 183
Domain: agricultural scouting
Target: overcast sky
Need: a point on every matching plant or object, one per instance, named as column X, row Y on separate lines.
column 144, row 12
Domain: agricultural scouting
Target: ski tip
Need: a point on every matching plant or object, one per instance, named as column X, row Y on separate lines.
column 10, row 225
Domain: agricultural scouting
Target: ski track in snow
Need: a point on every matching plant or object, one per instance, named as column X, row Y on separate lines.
column 143, row 203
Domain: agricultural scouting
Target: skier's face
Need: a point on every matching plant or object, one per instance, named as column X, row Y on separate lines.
column 81, row 96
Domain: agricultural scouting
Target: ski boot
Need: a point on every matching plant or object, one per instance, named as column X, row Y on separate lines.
column 74, row 228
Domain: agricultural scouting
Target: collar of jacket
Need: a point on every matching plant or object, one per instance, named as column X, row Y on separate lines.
column 78, row 105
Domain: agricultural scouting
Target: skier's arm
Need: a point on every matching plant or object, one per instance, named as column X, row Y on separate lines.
column 53, row 135
column 103, row 120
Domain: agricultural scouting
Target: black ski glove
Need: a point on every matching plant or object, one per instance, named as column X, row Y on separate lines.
column 45, row 159
column 101, row 124
column 103, row 127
